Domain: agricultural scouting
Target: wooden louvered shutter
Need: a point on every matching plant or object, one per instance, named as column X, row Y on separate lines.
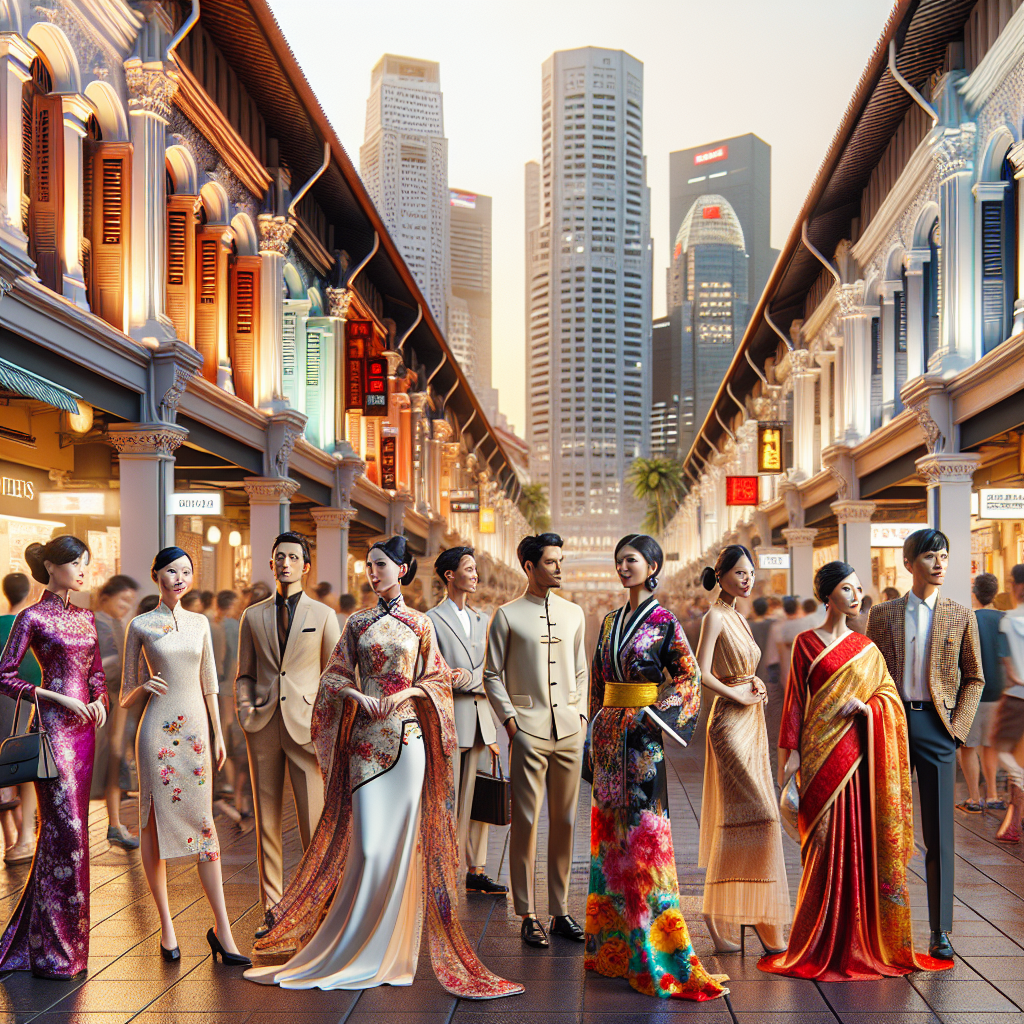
column 244, row 323
column 211, row 284
column 89, row 149
column 108, row 213
column 993, row 275
column 27, row 118
column 181, row 265
column 46, row 206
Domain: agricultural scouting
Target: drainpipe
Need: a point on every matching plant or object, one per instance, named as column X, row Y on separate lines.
column 187, row 27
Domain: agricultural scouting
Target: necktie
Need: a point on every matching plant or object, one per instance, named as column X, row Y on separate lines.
column 284, row 621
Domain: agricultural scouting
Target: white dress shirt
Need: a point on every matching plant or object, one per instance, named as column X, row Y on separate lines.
column 463, row 616
column 917, row 630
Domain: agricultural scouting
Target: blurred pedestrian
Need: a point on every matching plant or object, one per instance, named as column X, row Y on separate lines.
column 224, row 632
column 206, row 600
column 347, row 605
column 814, row 613
column 193, row 602
column 1007, row 731
column 785, row 633
column 147, row 604
column 859, row 623
column 985, row 588
column 891, row 594
column 761, row 627
column 322, row 592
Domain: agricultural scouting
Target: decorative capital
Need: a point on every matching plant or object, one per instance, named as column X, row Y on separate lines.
column 916, row 394
column 332, row 518
column 799, row 536
column 151, row 88
column 851, row 298
column 284, row 428
column 443, row 431
column 339, row 301
column 955, row 151
column 275, row 234
column 145, row 440
column 269, row 490
column 418, row 400
column 948, row 468
column 914, row 261
column 853, row 511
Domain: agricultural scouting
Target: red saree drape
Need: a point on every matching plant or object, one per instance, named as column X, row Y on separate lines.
column 852, row 919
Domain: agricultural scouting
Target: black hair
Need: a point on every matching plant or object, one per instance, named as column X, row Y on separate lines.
column 147, row 604
column 191, row 599
column 760, row 605
column 225, row 599
column 1017, row 575
column 323, row 588
column 531, row 548
column 118, row 585
column 924, row 540
column 829, row 576
column 397, row 549
column 58, row 551
column 165, row 556
column 650, row 551
column 291, row 537
column 347, row 602
column 449, row 561
column 710, row 578
column 985, row 588
column 16, row 587
column 790, row 605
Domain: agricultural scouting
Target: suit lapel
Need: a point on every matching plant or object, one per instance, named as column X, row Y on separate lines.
column 936, row 638
column 898, row 627
column 454, row 626
column 270, row 628
column 301, row 611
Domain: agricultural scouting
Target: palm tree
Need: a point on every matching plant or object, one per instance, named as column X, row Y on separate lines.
column 533, row 503
column 659, row 484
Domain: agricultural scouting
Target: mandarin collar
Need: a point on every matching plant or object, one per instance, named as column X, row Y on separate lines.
column 537, row 600
column 913, row 601
column 392, row 606
column 49, row 595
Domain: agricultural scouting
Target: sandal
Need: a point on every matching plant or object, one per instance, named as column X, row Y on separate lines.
column 22, row 853
column 970, row 806
column 995, row 805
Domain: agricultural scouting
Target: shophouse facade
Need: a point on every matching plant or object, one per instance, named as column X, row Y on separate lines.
column 888, row 341
column 206, row 333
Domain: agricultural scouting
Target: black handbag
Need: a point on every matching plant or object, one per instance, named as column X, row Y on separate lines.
column 27, row 756
column 492, row 798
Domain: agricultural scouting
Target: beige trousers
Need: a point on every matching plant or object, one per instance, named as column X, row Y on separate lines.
column 537, row 767
column 472, row 834
column 272, row 751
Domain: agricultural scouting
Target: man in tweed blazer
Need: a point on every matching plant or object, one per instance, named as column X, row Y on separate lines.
column 931, row 648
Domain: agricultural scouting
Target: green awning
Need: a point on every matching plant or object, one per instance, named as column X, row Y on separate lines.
column 31, row 385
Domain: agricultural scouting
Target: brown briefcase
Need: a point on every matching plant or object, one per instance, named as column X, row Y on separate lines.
column 492, row 798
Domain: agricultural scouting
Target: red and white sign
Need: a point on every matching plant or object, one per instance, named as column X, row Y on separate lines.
column 463, row 200
column 741, row 490
column 712, row 213
column 711, row 156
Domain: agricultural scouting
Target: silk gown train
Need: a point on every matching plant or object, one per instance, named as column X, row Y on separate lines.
column 382, row 859
column 856, row 818
column 740, row 835
column 634, row 927
column 48, row 933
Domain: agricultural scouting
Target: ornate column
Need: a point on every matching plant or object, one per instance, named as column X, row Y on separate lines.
column 854, row 518
column 269, row 515
column 913, row 262
column 887, row 294
column 949, row 478
column 1016, row 156
column 853, row 418
column 332, row 545
column 826, row 359
column 418, row 401
column 959, row 337
column 151, row 88
column 15, row 61
column 76, row 112
column 275, row 233
column 145, row 455
column 804, row 376
column 801, row 559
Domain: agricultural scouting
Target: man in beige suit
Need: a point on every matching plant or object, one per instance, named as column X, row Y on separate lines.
column 536, row 681
column 284, row 643
column 461, row 633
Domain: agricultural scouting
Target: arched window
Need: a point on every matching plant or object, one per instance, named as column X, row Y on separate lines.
column 932, row 295
column 998, row 259
column 180, row 272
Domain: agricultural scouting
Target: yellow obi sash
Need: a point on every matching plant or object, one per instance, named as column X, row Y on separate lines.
column 630, row 695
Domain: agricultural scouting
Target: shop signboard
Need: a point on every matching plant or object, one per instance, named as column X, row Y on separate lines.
column 375, row 386
column 358, row 334
column 741, row 490
column 464, row 500
column 389, row 459
column 486, row 520
column 195, row 503
column 892, row 535
column 773, row 560
column 72, row 503
column 769, row 447
column 1001, row 503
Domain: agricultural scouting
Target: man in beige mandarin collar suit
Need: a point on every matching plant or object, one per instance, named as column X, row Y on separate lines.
column 461, row 633
column 284, row 644
column 536, row 680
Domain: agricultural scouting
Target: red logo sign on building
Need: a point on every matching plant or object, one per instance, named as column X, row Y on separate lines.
column 711, row 156
column 741, row 490
column 358, row 334
column 388, row 461
column 712, row 213
column 375, row 387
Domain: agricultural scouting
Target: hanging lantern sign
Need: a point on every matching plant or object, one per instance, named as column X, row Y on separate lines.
column 357, row 337
column 375, row 384
column 769, row 447
column 741, row 490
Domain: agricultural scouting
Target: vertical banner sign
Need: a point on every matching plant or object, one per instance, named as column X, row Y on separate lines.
column 389, row 459
column 375, row 386
column 486, row 519
column 357, row 337
column 769, row 448
column 741, row 490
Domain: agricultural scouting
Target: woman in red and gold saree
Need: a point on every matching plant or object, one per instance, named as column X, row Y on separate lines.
column 383, row 855
column 844, row 716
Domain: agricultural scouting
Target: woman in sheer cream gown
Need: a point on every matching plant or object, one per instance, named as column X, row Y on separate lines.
column 740, row 835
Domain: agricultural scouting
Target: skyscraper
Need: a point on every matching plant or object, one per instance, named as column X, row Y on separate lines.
column 404, row 164
column 469, row 313
column 589, row 292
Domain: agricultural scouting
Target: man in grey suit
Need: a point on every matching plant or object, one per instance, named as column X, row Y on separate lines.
column 461, row 634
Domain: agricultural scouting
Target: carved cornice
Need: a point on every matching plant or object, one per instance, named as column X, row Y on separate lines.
column 146, row 440
column 332, row 518
column 339, row 302
column 954, row 152
column 275, row 234
column 916, row 395
column 151, row 88
column 269, row 490
column 838, row 461
column 799, row 537
column 949, row 468
column 853, row 511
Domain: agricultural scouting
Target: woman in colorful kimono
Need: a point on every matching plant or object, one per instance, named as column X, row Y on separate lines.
column 385, row 847
column 644, row 683
column 844, row 727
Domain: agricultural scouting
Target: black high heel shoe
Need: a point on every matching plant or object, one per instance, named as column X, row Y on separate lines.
column 226, row 958
column 170, row 955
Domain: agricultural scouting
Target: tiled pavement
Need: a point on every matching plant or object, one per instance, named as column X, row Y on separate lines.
column 127, row 980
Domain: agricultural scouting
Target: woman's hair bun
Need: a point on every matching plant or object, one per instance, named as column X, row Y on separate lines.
column 708, row 579
column 34, row 558
column 57, row 551
column 397, row 549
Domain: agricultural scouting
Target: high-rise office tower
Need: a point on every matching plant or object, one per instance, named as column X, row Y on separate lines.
column 469, row 311
column 589, row 292
column 404, row 164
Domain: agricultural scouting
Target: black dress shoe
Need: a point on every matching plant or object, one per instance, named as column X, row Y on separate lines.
column 567, row 928
column 940, row 946
column 533, row 933
column 170, row 955
column 477, row 881
column 268, row 923
column 226, row 958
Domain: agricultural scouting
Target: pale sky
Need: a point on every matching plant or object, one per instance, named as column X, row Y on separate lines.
column 784, row 70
